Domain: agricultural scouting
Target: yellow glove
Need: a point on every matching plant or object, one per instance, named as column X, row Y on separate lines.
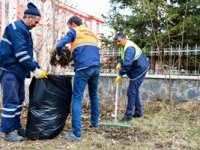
column 118, row 67
column 43, row 75
column 118, row 79
column 40, row 74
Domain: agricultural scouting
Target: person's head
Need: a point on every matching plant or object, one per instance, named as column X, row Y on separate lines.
column 31, row 16
column 120, row 39
column 74, row 22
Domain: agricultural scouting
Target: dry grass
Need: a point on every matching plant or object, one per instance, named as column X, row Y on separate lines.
column 158, row 129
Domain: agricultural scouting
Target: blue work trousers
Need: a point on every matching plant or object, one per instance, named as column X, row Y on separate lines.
column 134, row 97
column 13, row 97
column 83, row 77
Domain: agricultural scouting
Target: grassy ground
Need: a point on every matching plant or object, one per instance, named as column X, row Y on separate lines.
column 159, row 128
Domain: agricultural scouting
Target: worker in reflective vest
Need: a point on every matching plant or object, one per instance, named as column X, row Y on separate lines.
column 87, row 63
column 135, row 65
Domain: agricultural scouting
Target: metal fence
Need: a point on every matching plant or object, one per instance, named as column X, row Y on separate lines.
column 184, row 61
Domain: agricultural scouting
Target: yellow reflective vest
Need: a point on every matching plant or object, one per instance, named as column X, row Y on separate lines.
column 84, row 37
column 129, row 43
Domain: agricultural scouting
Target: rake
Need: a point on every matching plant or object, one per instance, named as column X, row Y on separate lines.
column 115, row 122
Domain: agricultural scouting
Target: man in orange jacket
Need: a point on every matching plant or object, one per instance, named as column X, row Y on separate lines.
column 87, row 63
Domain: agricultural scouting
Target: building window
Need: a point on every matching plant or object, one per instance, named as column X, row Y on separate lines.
column 97, row 26
column 87, row 23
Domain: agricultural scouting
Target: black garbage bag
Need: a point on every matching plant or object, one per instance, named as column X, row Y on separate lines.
column 49, row 106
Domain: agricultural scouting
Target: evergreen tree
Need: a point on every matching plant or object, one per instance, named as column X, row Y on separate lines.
column 156, row 23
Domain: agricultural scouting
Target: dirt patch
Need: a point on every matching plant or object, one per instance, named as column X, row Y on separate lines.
column 159, row 128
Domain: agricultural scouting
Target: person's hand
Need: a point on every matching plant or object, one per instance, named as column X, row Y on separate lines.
column 118, row 79
column 40, row 74
column 118, row 67
column 58, row 57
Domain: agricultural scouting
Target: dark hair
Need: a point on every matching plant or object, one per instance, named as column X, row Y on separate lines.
column 75, row 20
column 119, row 36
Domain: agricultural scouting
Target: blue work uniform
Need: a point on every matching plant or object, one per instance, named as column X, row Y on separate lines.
column 16, row 62
column 135, row 65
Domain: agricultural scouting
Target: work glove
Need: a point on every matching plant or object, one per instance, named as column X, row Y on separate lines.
column 118, row 67
column 118, row 79
column 40, row 74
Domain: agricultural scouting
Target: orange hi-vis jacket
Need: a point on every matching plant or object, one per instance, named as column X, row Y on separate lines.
column 84, row 37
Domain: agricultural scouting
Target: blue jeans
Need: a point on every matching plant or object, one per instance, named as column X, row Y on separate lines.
column 83, row 77
column 134, row 97
column 13, row 97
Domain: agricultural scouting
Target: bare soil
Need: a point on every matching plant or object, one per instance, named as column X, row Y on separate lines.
column 161, row 127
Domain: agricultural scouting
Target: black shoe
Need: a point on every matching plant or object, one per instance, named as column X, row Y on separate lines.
column 126, row 119
column 21, row 132
column 93, row 126
column 136, row 116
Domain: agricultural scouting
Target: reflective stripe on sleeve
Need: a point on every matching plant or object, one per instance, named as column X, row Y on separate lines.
column 24, row 58
column 20, row 53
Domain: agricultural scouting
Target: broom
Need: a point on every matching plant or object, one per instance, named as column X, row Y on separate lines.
column 115, row 122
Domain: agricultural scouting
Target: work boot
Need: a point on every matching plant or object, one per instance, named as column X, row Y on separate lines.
column 12, row 137
column 126, row 119
column 21, row 132
column 71, row 136
column 136, row 116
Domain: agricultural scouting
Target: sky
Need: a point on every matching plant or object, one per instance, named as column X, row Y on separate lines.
column 92, row 7
column 95, row 8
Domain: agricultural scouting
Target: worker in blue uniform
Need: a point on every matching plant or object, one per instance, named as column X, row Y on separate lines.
column 16, row 63
column 135, row 65
column 86, row 56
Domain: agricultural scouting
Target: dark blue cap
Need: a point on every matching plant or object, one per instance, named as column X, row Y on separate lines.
column 32, row 10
